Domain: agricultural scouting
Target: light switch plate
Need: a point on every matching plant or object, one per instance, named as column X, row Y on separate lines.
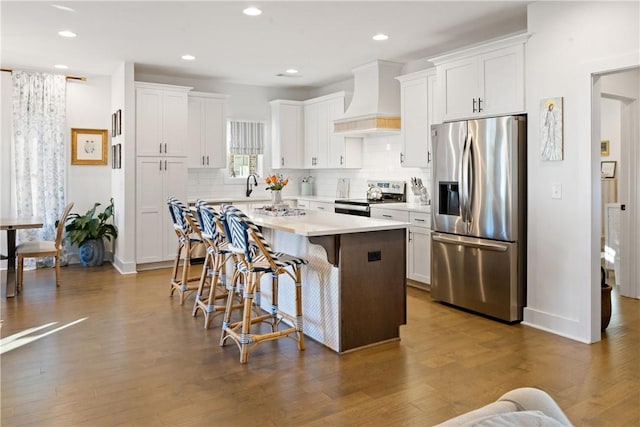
column 556, row 190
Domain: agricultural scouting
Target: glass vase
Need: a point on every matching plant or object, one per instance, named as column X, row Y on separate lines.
column 276, row 197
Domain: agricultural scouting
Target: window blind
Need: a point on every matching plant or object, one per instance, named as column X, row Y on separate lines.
column 246, row 137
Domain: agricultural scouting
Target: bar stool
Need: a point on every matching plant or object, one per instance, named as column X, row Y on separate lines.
column 186, row 240
column 214, row 270
column 252, row 265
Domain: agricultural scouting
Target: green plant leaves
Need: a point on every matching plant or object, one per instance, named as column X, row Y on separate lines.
column 82, row 228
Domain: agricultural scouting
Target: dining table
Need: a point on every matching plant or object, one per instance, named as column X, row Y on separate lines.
column 11, row 224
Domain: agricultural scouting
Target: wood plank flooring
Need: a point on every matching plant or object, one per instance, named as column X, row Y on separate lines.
column 140, row 359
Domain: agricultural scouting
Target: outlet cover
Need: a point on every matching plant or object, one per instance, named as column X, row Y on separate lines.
column 556, row 190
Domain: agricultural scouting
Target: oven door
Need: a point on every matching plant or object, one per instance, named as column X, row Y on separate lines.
column 345, row 208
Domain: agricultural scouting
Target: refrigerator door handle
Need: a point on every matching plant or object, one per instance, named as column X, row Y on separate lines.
column 473, row 243
column 469, row 183
column 464, row 190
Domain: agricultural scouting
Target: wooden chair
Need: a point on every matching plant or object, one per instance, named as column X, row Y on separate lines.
column 41, row 249
column 245, row 235
column 213, row 280
column 186, row 240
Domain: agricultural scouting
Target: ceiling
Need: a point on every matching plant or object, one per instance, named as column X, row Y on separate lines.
column 323, row 40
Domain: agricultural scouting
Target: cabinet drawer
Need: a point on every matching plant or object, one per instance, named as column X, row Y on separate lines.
column 321, row 206
column 420, row 219
column 303, row 204
column 390, row 214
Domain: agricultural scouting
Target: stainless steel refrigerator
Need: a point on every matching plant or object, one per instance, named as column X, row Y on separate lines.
column 478, row 243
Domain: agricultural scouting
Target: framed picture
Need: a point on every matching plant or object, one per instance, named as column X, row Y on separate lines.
column 604, row 148
column 119, row 122
column 113, row 124
column 551, row 129
column 89, row 146
column 608, row 169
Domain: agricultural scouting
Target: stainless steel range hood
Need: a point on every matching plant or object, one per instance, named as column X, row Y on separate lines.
column 375, row 106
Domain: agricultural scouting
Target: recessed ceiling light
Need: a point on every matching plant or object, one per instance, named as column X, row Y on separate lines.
column 380, row 37
column 252, row 11
column 61, row 66
column 188, row 57
column 292, row 71
column 61, row 7
column 67, row 33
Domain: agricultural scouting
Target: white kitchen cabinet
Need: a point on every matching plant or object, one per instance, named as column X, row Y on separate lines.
column 419, row 248
column 417, row 94
column 483, row 81
column 287, row 127
column 323, row 147
column 207, row 130
column 391, row 214
column 303, row 204
column 161, row 119
column 156, row 179
column 321, row 206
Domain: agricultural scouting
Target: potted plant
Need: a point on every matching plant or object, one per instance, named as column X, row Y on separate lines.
column 88, row 232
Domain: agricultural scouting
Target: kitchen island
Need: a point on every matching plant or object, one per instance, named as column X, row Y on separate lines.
column 353, row 289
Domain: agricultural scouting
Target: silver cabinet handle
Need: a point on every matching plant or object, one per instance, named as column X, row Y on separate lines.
column 387, row 216
column 202, row 160
column 401, row 158
column 479, row 105
column 341, row 160
column 321, row 208
column 474, row 105
column 165, row 165
column 160, row 165
column 207, row 160
column 165, row 148
column 418, row 219
column 161, row 148
column 282, row 161
column 428, row 157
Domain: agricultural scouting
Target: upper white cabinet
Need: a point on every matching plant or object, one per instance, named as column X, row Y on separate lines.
column 161, row 119
column 417, row 95
column 323, row 148
column 483, row 81
column 287, row 127
column 207, row 130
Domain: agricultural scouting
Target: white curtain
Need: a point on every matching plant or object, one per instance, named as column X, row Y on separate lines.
column 246, row 137
column 39, row 150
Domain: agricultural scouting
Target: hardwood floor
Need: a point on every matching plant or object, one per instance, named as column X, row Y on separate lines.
column 140, row 359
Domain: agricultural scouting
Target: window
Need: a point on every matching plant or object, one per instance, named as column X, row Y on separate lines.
column 245, row 141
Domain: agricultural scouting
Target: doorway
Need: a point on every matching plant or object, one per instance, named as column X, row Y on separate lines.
column 619, row 94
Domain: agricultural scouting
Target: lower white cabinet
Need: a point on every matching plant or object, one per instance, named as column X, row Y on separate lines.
column 418, row 240
column 321, row 206
column 156, row 179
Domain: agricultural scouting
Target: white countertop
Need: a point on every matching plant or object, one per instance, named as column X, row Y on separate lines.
column 315, row 223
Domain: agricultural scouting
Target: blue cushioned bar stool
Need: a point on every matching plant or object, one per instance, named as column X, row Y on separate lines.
column 213, row 280
column 253, row 264
column 186, row 240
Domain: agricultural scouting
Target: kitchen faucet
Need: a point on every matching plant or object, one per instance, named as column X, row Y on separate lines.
column 255, row 183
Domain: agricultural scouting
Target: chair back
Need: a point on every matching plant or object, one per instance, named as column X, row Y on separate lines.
column 247, row 238
column 178, row 212
column 61, row 224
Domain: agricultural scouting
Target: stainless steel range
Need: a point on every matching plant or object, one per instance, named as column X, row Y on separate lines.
column 377, row 192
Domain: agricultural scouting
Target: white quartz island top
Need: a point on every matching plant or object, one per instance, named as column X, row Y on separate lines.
column 315, row 223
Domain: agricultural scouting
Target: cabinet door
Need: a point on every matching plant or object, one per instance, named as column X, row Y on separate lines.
column 291, row 136
column 432, row 114
column 311, row 135
column 215, row 133
column 459, row 83
column 174, row 183
column 151, row 210
column 501, row 77
column 174, row 123
column 419, row 254
column 149, row 122
column 321, row 206
column 415, row 127
column 195, row 133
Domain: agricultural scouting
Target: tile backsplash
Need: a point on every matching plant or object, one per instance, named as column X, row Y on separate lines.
column 381, row 160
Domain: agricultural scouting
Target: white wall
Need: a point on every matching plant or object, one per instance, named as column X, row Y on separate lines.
column 610, row 120
column 569, row 42
column 5, row 155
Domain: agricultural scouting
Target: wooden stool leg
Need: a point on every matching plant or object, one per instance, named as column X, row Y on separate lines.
column 274, row 301
column 245, row 336
column 174, row 274
column 299, row 309
column 201, row 285
column 57, row 263
column 226, row 321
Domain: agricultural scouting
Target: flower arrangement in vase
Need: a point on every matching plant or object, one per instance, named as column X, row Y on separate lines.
column 276, row 183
